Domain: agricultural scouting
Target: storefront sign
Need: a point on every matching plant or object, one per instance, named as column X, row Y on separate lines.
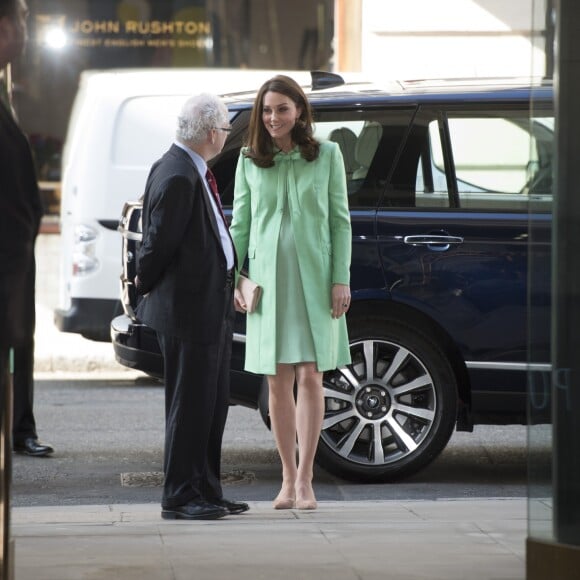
column 56, row 31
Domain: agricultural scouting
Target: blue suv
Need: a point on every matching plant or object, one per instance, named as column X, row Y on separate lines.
column 450, row 192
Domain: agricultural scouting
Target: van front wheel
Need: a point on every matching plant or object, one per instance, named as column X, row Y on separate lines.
column 393, row 410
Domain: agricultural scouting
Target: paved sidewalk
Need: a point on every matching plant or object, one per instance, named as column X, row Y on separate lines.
column 387, row 540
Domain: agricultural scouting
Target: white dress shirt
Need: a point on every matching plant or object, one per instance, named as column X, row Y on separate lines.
column 201, row 166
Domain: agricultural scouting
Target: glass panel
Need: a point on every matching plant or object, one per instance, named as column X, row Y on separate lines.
column 370, row 142
column 540, row 187
column 490, row 154
column 500, row 157
column 502, row 161
column 431, row 181
column 417, row 181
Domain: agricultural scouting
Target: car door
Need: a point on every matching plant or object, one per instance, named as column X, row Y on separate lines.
column 365, row 136
column 453, row 236
column 392, row 410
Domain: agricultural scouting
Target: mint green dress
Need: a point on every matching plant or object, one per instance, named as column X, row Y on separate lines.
column 294, row 342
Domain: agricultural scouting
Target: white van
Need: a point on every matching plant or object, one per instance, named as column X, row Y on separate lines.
column 121, row 122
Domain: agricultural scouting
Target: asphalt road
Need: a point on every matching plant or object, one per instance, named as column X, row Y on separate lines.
column 108, row 436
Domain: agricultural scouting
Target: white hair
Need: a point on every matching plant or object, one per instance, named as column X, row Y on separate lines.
column 199, row 115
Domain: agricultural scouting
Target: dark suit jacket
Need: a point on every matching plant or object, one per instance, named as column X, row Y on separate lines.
column 20, row 213
column 181, row 264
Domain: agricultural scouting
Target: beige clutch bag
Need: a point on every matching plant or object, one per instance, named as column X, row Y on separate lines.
column 251, row 293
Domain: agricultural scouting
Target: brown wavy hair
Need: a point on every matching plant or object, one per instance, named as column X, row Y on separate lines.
column 260, row 144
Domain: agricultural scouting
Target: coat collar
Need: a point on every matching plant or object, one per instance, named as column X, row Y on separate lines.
column 292, row 155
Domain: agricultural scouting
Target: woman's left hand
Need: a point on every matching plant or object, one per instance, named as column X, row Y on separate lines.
column 239, row 304
column 340, row 299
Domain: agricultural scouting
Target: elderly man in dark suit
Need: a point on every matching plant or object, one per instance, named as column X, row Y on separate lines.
column 20, row 213
column 185, row 272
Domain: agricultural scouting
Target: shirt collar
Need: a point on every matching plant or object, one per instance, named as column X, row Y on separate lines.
column 197, row 159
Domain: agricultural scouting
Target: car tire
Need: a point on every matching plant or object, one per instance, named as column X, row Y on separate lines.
column 393, row 410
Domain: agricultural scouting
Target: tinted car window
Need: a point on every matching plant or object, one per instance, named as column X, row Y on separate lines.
column 475, row 160
column 500, row 159
column 369, row 141
column 370, row 158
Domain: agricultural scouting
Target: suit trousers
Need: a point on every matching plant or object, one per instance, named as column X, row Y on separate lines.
column 197, row 392
column 24, row 425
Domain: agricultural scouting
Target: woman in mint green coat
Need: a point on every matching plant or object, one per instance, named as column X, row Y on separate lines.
column 291, row 219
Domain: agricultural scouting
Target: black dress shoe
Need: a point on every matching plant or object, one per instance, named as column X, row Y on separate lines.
column 233, row 507
column 194, row 510
column 33, row 447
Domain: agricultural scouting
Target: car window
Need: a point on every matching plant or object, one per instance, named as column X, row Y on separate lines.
column 484, row 160
column 500, row 161
column 369, row 142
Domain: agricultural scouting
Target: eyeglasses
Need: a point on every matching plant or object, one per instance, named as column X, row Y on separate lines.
column 226, row 129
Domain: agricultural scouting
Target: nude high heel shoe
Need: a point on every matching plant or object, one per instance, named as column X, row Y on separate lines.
column 284, row 503
column 302, row 503
column 286, row 499
column 306, row 504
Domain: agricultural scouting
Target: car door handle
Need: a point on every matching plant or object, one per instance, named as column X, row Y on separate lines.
column 433, row 242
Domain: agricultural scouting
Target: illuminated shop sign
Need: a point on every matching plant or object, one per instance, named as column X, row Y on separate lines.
column 57, row 32
column 140, row 27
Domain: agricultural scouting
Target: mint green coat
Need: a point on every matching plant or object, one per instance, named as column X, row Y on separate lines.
column 321, row 223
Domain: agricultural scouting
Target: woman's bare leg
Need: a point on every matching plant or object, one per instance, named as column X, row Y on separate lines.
column 283, row 417
column 309, row 416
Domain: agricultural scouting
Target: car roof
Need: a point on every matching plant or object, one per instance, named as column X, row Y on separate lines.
column 357, row 90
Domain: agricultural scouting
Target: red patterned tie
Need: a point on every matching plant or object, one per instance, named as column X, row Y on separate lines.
column 214, row 189
column 210, row 177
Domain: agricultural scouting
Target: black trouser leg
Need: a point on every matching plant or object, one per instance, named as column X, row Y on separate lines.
column 24, row 425
column 212, row 484
column 196, row 406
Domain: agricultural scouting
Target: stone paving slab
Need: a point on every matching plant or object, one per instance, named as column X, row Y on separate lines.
column 447, row 540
